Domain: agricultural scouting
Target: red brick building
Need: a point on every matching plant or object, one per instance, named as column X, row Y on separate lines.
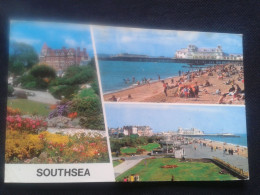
column 61, row 59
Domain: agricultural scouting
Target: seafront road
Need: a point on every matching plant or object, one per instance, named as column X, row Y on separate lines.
column 205, row 152
column 127, row 164
column 40, row 96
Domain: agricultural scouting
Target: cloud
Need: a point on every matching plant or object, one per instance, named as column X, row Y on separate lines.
column 71, row 42
column 26, row 40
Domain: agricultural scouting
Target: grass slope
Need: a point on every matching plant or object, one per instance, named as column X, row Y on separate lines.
column 186, row 171
column 29, row 107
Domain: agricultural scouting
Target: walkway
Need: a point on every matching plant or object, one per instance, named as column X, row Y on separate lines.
column 127, row 164
column 205, row 152
column 40, row 96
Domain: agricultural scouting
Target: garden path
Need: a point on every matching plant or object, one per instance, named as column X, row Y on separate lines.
column 127, row 164
column 40, row 96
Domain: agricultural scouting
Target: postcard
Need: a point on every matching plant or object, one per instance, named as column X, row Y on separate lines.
column 55, row 130
column 174, row 104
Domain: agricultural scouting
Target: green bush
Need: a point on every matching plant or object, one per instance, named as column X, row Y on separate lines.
column 85, row 93
column 76, row 75
column 90, row 111
column 95, row 87
column 43, row 71
column 64, row 90
column 10, row 90
column 30, row 85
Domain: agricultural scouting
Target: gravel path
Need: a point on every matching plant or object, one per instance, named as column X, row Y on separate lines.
column 127, row 164
column 40, row 96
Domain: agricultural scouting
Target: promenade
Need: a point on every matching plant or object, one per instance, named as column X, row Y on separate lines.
column 205, row 152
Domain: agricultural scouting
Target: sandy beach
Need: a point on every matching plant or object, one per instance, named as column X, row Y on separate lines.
column 238, row 150
column 154, row 91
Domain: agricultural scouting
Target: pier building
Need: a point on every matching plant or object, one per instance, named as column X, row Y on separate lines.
column 193, row 52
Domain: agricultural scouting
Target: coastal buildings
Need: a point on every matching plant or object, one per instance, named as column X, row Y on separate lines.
column 193, row 52
column 191, row 131
column 61, row 59
column 131, row 130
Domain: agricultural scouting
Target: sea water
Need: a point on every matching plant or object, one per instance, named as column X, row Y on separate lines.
column 113, row 73
column 241, row 140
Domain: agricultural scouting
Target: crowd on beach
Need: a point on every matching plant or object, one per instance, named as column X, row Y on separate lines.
column 187, row 86
column 222, row 84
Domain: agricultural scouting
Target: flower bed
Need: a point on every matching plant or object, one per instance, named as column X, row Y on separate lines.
column 169, row 166
column 25, row 124
column 54, row 148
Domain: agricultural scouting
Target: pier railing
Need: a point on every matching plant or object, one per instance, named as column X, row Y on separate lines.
column 238, row 171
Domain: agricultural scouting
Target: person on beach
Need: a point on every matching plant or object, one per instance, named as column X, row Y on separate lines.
column 222, row 99
column 164, row 88
column 113, row 98
column 159, row 78
column 133, row 79
column 179, row 73
column 196, row 91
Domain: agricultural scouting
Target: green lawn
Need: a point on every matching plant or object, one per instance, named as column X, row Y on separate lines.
column 150, row 147
column 29, row 107
column 128, row 150
column 117, row 162
column 186, row 171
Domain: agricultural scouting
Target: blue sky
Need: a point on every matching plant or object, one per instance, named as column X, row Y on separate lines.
column 54, row 34
column 114, row 40
column 165, row 117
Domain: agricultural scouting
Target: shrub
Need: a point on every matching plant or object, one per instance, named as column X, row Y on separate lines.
column 64, row 90
column 95, row 87
column 10, row 90
column 43, row 71
column 85, row 93
column 90, row 111
column 61, row 109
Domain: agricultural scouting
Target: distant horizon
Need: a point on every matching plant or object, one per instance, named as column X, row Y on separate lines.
column 169, row 117
column 157, row 131
column 154, row 42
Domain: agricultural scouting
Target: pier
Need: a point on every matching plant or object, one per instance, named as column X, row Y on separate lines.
column 191, row 62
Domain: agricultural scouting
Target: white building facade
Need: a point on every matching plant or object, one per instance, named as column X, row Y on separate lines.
column 193, row 52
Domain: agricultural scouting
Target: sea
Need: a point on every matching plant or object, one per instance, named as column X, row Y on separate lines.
column 113, row 73
column 241, row 140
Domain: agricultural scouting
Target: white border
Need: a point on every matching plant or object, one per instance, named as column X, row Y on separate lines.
column 101, row 94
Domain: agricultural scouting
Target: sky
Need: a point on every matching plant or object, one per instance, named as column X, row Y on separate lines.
column 165, row 117
column 55, row 35
column 115, row 40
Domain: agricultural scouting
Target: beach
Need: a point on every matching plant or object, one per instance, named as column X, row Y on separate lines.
column 216, row 77
column 221, row 146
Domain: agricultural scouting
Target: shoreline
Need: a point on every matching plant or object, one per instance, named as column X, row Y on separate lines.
column 154, row 92
column 218, row 145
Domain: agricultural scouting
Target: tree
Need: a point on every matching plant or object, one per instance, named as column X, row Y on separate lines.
column 43, row 71
column 17, row 68
column 22, row 53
